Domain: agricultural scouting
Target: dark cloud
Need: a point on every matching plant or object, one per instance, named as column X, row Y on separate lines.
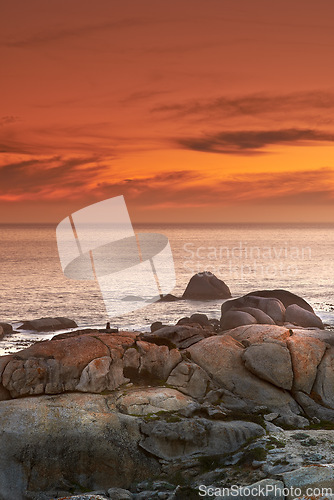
column 75, row 32
column 250, row 105
column 53, row 173
column 9, row 119
column 142, row 95
column 247, row 142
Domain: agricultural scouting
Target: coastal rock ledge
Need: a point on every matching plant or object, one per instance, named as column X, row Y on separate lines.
column 90, row 410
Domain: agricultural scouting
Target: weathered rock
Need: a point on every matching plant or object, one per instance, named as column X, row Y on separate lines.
column 271, row 362
column 102, row 374
column 261, row 317
column 287, row 298
column 4, row 393
column 169, row 440
column 306, row 354
column 57, row 365
column 181, row 336
column 119, row 494
column 311, row 476
column 260, row 333
column 156, row 362
column 292, row 420
column 131, row 363
column 5, row 329
column 298, row 316
column 233, row 319
column 76, row 333
column 271, row 306
column 220, row 357
column 313, row 409
column 190, row 379
column 326, row 336
column 156, row 326
column 201, row 319
column 206, row 286
column 152, row 400
column 48, row 324
column 68, row 441
column 323, row 386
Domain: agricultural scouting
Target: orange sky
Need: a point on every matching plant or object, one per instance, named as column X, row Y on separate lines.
column 193, row 110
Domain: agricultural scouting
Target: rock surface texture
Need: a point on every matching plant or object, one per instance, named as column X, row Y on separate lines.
column 112, row 409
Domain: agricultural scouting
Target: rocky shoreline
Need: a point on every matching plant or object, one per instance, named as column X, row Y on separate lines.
column 247, row 400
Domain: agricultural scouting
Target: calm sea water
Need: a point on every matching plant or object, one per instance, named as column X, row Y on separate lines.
column 299, row 258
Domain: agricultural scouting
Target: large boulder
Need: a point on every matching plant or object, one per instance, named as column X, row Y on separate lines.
column 150, row 362
column 271, row 306
column 2, row 333
column 313, row 409
column 190, row 379
column 48, row 324
column 323, row 387
column 287, row 298
column 69, row 442
column 306, row 354
column 206, row 286
column 298, row 316
column 261, row 317
column 270, row 361
column 86, row 363
column 221, row 358
column 233, row 319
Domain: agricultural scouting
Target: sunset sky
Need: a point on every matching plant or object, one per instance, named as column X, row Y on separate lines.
column 209, row 111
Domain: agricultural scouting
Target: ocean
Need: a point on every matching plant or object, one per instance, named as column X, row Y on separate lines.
column 247, row 257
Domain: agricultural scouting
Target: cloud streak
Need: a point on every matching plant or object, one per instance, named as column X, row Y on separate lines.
column 58, row 35
column 249, row 142
column 250, row 105
column 76, row 179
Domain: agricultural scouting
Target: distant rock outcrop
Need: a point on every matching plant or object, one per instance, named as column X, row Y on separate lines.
column 206, row 286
